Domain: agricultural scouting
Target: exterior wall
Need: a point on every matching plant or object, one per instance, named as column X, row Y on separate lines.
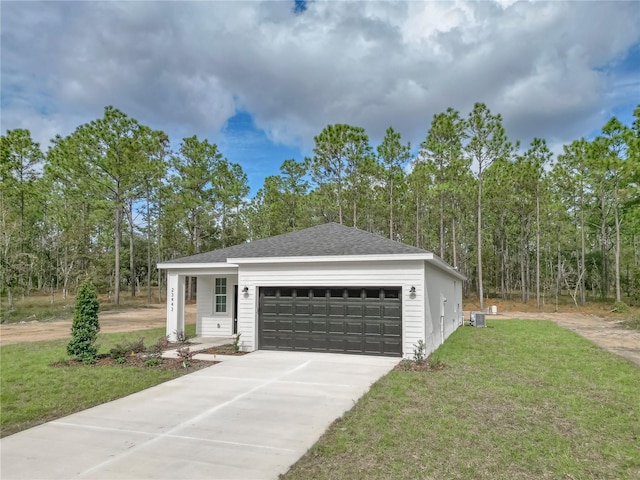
column 403, row 274
column 208, row 322
column 444, row 293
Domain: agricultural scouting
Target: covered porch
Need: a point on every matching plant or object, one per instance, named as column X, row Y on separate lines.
column 216, row 301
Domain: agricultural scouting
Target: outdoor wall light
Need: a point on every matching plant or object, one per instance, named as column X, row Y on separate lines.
column 245, row 290
column 412, row 289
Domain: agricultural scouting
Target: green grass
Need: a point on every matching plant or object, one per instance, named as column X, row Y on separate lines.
column 521, row 399
column 33, row 392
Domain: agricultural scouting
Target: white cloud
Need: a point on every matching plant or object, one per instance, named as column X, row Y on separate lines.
column 189, row 67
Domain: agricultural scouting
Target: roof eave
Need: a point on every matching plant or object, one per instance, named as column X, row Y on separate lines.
column 442, row 265
column 333, row 258
column 194, row 266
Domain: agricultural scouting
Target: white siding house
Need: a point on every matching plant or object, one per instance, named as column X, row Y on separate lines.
column 328, row 288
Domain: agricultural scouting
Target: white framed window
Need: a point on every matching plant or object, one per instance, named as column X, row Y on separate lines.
column 220, row 295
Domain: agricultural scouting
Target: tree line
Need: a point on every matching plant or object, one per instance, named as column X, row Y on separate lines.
column 110, row 200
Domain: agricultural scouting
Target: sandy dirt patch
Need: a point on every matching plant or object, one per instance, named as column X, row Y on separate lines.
column 128, row 320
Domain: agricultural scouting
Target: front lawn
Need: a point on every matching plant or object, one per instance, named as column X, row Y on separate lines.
column 518, row 400
column 32, row 391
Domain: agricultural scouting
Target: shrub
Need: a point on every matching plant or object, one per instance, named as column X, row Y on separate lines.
column 620, row 307
column 153, row 361
column 419, row 352
column 181, row 337
column 122, row 350
column 85, row 327
column 185, row 355
column 155, row 351
column 236, row 343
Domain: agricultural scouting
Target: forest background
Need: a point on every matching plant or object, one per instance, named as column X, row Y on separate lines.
column 112, row 199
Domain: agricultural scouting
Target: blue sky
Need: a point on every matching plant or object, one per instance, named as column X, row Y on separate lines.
column 261, row 79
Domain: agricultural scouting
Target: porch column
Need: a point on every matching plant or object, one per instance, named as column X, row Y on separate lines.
column 175, row 305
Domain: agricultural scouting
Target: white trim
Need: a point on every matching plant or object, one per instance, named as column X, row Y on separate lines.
column 333, row 258
column 195, row 266
column 231, row 267
column 436, row 261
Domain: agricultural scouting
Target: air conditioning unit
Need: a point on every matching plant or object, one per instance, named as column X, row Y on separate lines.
column 478, row 319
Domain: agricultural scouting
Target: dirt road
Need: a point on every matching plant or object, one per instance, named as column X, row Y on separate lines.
column 110, row 322
column 606, row 333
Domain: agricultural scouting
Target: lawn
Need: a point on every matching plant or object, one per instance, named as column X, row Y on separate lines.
column 518, row 400
column 33, row 392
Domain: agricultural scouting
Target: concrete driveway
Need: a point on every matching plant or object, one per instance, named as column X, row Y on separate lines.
column 247, row 418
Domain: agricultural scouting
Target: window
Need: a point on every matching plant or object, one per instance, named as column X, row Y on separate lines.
column 221, row 295
column 286, row 292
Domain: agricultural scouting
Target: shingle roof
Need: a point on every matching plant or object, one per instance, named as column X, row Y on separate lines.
column 322, row 240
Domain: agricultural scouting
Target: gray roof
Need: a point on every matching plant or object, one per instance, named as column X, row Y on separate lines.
column 322, row 240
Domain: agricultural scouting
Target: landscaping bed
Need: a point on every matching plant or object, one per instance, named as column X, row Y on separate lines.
column 167, row 364
column 227, row 349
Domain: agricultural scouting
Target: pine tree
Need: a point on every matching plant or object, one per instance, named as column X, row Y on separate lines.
column 85, row 327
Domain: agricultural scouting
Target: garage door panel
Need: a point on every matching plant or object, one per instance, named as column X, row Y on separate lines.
column 285, row 325
column 301, row 325
column 374, row 347
column 318, row 343
column 331, row 319
column 391, row 311
column 270, row 324
column 353, row 327
column 373, row 328
column 319, row 309
column 373, row 311
column 336, row 344
column 392, row 330
column 285, row 309
column 318, row 326
column 353, row 345
column 270, row 308
column 302, row 309
column 335, row 326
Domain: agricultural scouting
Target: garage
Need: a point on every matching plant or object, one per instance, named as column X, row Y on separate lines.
column 327, row 288
column 356, row 320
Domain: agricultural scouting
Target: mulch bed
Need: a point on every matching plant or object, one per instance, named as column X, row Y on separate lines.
column 222, row 350
column 424, row 366
column 138, row 360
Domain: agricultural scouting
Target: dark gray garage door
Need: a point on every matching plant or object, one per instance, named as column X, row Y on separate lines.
column 331, row 319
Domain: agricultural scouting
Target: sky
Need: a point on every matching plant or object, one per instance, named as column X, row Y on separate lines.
column 261, row 79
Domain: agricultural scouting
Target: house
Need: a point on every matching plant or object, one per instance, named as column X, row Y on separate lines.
column 327, row 288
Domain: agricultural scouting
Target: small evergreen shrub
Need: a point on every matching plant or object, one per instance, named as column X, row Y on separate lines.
column 236, row 343
column 419, row 352
column 85, row 326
